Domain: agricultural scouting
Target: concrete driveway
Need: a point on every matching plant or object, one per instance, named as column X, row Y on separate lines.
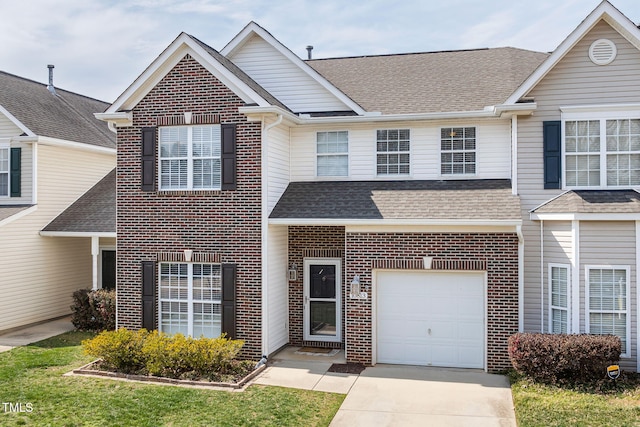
column 391, row 395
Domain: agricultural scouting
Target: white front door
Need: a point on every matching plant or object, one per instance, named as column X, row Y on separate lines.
column 322, row 315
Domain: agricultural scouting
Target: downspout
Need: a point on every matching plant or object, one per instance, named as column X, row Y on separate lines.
column 541, row 276
column 264, row 230
column 514, row 155
column 520, row 278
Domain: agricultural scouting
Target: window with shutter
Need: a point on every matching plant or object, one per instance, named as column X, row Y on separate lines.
column 552, row 154
column 4, row 171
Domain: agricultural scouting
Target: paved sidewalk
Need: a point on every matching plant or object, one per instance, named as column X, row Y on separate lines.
column 31, row 334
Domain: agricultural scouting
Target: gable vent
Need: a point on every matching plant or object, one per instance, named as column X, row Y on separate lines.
column 602, row 52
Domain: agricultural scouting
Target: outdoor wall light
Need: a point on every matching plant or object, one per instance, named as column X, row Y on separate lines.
column 354, row 291
column 293, row 272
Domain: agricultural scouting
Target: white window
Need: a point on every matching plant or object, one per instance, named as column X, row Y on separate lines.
column 607, row 296
column 559, row 298
column 393, row 152
column 458, row 151
column 190, row 299
column 4, row 171
column 332, row 153
column 602, row 152
column 190, row 157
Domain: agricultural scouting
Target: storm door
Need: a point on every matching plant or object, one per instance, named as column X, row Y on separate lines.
column 322, row 313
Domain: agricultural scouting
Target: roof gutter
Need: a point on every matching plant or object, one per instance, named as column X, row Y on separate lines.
column 515, row 223
column 116, row 120
column 77, row 234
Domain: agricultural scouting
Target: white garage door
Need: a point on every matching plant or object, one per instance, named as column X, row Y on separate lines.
column 428, row 318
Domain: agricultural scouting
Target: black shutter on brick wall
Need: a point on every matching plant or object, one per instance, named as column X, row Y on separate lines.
column 15, row 170
column 228, row 157
column 552, row 135
column 149, row 159
column 149, row 295
column 229, row 300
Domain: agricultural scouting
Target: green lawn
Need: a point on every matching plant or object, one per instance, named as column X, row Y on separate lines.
column 541, row 405
column 33, row 375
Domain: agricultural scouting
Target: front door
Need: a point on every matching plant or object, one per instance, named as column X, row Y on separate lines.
column 322, row 315
column 108, row 269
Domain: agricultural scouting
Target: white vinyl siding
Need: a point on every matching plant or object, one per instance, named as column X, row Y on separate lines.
column 458, row 151
column 607, row 295
column 191, row 299
column 279, row 163
column 393, row 152
column 559, row 298
column 190, row 157
column 4, row 171
column 333, row 153
column 277, row 303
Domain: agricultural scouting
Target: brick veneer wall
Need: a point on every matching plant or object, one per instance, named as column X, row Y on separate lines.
column 224, row 224
column 498, row 250
column 311, row 241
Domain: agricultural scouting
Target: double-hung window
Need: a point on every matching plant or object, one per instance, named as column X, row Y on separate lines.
column 607, row 294
column 4, row 171
column 602, row 152
column 558, row 299
column 190, row 157
column 190, row 299
column 332, row 153
column 393, row 148
column 458, row 151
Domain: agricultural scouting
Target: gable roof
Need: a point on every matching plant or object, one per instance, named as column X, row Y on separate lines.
column 592, row 202
column 93, row 212
column 65, row 115
column 604, row 11
column 453, row 201
column 451, row 81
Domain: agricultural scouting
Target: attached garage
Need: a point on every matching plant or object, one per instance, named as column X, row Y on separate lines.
column 431, row 318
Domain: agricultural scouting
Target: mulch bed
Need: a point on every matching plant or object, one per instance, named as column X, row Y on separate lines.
column 347, row 368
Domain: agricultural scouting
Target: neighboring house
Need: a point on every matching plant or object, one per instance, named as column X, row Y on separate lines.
column 381, row 204
column 52, row 150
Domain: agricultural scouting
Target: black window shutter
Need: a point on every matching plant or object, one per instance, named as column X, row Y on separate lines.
column 552, row 153
column 149, row 295
column 228, row 157
column 15, row 171
column 229, row 300
column 149, row 159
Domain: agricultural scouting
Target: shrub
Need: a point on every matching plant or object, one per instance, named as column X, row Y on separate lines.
column 155, row 353
column 563, row 359
column 94, row 310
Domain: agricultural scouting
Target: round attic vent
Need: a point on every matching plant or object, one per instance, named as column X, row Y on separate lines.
column 602, row 52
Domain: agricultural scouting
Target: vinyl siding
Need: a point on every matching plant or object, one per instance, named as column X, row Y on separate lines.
column 493, row 152
column 278, row 286
column 39, row 273
column 278, row 157
column 558, row 249
column 575, row 80
column 283, row 79
column 8, row 130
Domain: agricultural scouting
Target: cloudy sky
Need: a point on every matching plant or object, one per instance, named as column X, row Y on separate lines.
column 100, row 46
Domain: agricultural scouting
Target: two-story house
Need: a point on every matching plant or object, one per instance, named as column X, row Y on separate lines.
column 379, row 204
column 52, row 151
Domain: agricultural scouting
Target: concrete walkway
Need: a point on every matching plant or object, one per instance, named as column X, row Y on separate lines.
column 31, row 334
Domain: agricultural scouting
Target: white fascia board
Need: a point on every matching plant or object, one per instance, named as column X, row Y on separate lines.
column 604, row 11
column 16, row 122
column 119, row 119
column 431, row 228
column 256, row 29
column 401, row 222
column 18, row 215
column 76, row 234
column 168, row 59
column 55, row 142
column 585, row 216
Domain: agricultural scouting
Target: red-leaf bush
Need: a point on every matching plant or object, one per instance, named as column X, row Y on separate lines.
column 563, row 359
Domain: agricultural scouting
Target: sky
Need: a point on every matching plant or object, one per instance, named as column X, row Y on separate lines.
column 99, row 47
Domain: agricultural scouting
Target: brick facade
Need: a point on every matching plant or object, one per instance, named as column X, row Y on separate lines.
column 216, row 225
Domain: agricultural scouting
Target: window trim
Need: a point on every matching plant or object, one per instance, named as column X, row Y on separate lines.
column 190, row 159
column 347, row 154
column 551, row 307
column 190, row 300
column 8, row 171
column 440, row 151
column 386, row 176
column 587, row 325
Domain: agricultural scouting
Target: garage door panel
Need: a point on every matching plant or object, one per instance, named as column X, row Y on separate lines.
column 430, row 318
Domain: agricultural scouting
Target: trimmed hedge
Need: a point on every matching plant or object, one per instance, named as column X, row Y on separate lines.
column 562, row 358
column 154, row 353
column 94, row 310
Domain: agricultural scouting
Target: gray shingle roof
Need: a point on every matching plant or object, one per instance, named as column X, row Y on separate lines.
column 9, row 210
column 428, row 200
column 66, row 115
column 93, row 212
column 593, row 201
column 465, row 80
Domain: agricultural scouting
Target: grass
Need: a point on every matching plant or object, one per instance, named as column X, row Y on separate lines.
column 33, row 374
column 544, row 405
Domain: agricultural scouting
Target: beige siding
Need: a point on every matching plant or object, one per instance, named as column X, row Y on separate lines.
column 40, row 273
column 283, row 79
column 574, row 81
column 493, row 153
column 8, row 128
column 278, row 157
column 278, row 287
